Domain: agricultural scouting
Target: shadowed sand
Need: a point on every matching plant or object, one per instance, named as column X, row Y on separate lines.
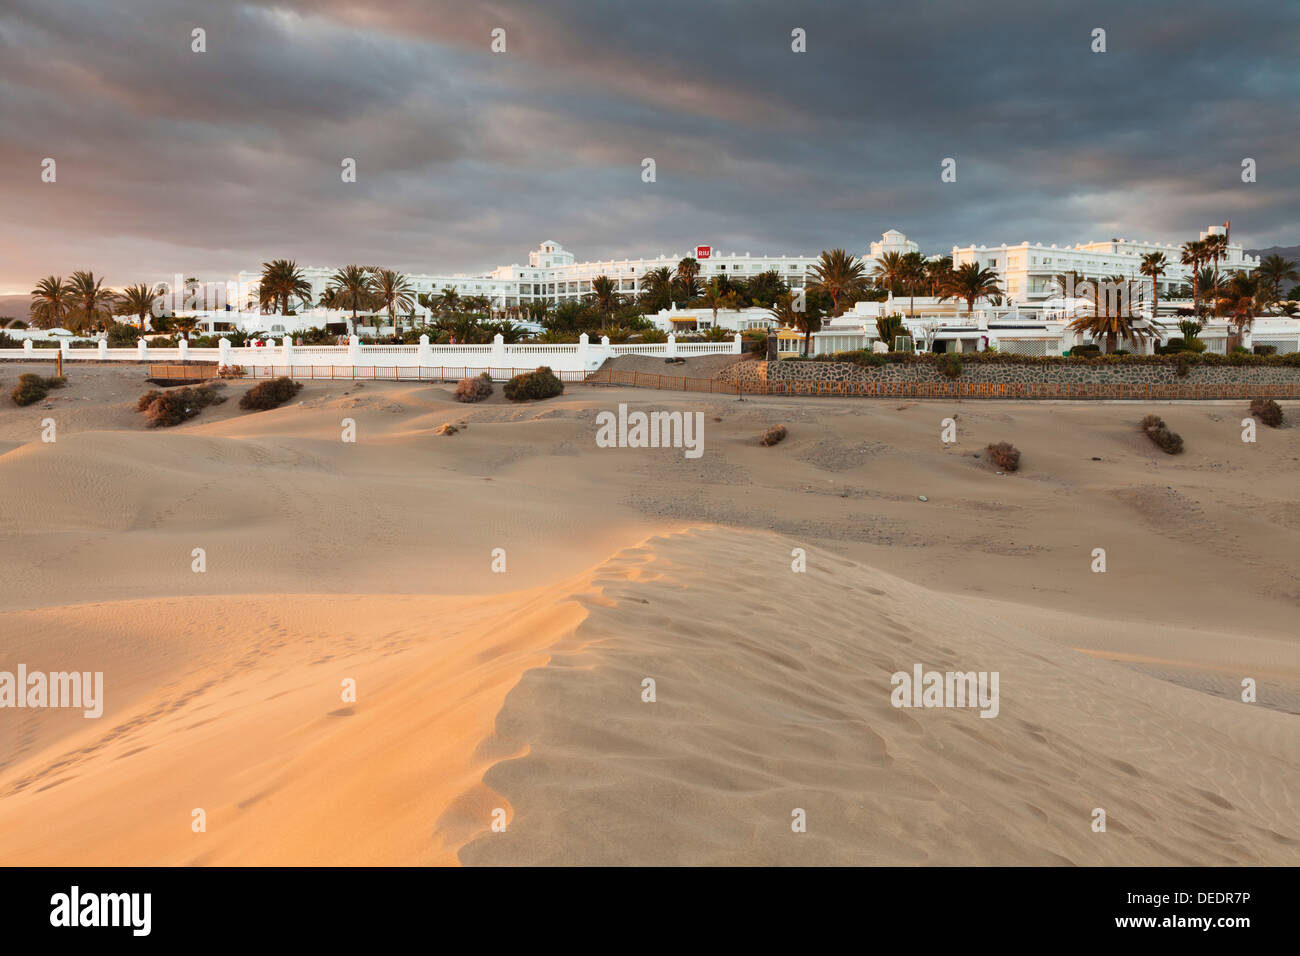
column 522, row 691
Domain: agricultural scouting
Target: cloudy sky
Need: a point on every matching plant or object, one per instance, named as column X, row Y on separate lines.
column 205, row 163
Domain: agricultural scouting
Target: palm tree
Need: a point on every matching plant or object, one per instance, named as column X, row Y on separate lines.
column 913, row 278
column 448, row 300
column 51, row 300
column 391, row 290
column 281, row 281
column 716, row 297
column 763, row 289
column 1154, row 265
column 1112, row 327
column 838, row 274
column 1216, row 248
column 1193, row 254
column 509, row 332
column 92, row 304
column 1238, row 298
column 1209, row 288
column 349, row 288
column 888, row 273
column 807, row 320
column 1274, row 270
column 936, row 271
column 657, row 289
column 1124, row 289
column 137, row 300
column 971, row 283
column 686, row 281
column 480, row 304
column 605, row 296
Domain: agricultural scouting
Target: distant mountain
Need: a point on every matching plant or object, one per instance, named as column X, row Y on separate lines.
column 1286, row 252
column 15, row 307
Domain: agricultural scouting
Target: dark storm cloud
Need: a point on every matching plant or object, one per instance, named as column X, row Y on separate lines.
column 206, row 163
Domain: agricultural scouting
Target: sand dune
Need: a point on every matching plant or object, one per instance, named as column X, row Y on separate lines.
column 521, row 691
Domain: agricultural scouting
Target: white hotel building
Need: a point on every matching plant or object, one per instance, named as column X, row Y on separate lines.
column 1027, row 273
column 1030, row 318
column 552, row 274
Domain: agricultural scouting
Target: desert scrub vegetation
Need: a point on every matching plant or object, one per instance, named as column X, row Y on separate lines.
column 773, row 435
column 1005, row 455
column 164, row 409
column 474, row 389
column 1267, row 411
column 272, row 393
column 1156, row 429
column 31, row 388
column 542, row 383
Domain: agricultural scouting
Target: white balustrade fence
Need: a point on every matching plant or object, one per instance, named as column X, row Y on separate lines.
column 581, row 357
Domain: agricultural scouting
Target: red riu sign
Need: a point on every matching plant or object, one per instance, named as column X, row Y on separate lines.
column 703, row 252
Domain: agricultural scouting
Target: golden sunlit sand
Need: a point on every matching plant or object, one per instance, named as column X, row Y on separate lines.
column 522, row 691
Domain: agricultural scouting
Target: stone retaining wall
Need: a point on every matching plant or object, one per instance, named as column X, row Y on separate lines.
column 1030, row 380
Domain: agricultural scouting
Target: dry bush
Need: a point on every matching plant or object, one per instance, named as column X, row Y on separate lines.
column 164, row 409
column 1267, row 411
column 474, row 389
column 1005, row 455
column 272, row 393
column 447, row 429
column 1156, row 429
column 773, row 435
column 542, row 383
column 31, row 388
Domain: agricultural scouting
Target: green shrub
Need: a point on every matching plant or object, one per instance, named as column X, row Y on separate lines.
column 28, row 393
column 1085, row 351
column 31, row 388
column 474, row 389
column 9, row 342
column 1158, row 432
column 270, row 394
column 121, row 335
column 773, row 435
column 1265, row 350
column 1267, row 411
column 164, row 409
column 950, row 365
column 1005, row 455
column 533, row 385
